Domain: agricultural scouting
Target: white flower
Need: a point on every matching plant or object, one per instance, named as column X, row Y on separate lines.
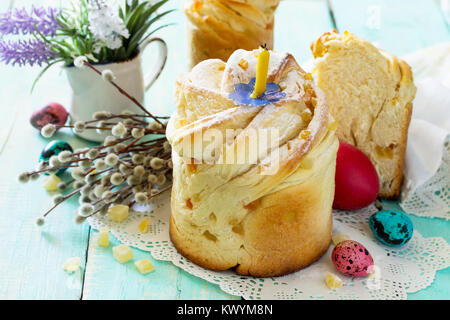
column 108, row 75
column 79, row 62
column 105, row 24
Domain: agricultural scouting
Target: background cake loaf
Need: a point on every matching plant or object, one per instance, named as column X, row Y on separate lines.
column 216, row 28
column 370, row 93
column 235, row 215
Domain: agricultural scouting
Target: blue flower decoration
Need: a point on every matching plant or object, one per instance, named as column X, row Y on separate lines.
column 243, row 91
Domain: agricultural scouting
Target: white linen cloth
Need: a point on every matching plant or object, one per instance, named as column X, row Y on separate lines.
column 427, row 174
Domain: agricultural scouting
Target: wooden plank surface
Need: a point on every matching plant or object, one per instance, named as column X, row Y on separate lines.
column 31, row 258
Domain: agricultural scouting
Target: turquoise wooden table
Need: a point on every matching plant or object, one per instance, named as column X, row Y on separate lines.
column 31, row 258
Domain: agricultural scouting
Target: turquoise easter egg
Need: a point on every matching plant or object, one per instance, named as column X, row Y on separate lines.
column 393, row 228
column 53, row 149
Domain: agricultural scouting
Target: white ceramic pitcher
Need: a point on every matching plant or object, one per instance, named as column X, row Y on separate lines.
column 90, row 93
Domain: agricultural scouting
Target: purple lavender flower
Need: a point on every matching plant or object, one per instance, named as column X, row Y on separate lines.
column 26, row 52
column 20, row 21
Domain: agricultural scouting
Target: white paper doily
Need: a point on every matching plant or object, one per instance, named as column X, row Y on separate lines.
column 432, row 199
column 401, row 271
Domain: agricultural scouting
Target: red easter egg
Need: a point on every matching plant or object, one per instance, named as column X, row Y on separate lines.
column 53, row 113
column 356, row 179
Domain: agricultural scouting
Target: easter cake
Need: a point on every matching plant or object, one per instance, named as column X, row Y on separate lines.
column 370, row 93
column 264, row 218
column 216, row 28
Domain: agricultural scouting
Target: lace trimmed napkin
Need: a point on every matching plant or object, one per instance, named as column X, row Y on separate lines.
column 399, row 271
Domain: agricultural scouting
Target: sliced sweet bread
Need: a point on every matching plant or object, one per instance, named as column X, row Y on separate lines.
column 370, row 94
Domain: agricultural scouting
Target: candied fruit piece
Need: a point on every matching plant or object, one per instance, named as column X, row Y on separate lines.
column 192, row 167
column 333, row 281
column 189, row 204
column 103, row 238
column 253, row 205
column 385, row 152
column 243, row 64
column 339, row 238
column 347, row 36
column 376, row 272
column 118, row 213
column 306, row 115
column 144, row 225
column 51, row 182
column 72, row 264
column 197, row 5
column 181, row 123
column 144, row 266
column 318, row 49
column 305, row 134
column 123, row 253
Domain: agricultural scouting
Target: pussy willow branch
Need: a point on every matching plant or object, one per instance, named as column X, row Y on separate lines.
column 125, row 93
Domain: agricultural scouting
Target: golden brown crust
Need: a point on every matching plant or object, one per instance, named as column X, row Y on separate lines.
column 285, row 232
column 394, row 193
column 216, row 28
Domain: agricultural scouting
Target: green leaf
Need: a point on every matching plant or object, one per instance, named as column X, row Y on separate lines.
column 135, row 40
column 41, row 73
column 152, row 32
